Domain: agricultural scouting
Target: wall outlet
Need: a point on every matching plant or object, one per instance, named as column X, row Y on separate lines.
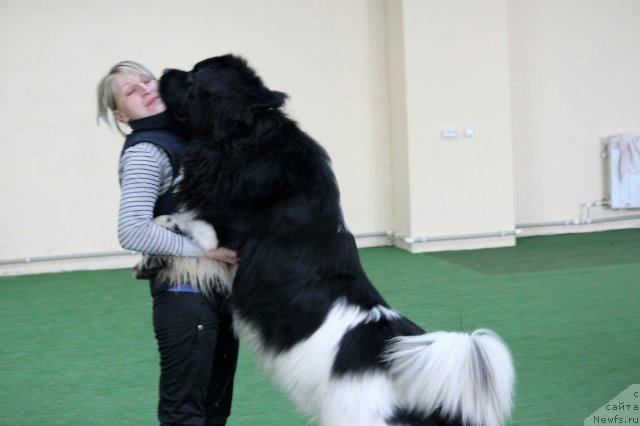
column 449, row 133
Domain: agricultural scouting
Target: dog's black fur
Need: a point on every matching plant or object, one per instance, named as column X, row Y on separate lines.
column 270, row 192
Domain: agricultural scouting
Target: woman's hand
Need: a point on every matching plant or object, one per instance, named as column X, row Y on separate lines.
column 223, row 254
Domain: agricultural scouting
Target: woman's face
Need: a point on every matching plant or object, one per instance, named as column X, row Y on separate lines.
column 136, row 97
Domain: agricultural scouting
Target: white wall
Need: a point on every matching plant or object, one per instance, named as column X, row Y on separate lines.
column 456, row 75
column 574, row 81
column 542, row 82
column 59, row 170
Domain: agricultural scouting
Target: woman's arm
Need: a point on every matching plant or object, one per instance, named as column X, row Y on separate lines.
column 145, row 173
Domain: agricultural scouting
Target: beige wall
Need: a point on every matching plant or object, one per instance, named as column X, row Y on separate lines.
column 456, row 75
column 59, row 181
column 375, row 81
column 574, row 81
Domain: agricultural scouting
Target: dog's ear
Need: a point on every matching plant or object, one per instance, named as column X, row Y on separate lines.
column 230, row 94
column 253, row 95
column 272, row 99
column 267, row 99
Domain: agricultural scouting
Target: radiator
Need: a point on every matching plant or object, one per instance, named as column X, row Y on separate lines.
column 624, row 191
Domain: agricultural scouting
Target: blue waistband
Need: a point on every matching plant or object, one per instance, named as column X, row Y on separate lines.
column 184, row 288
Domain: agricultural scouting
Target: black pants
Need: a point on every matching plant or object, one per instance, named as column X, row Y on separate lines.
column 198, row 353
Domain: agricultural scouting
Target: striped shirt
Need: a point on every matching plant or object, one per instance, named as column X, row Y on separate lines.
column 145, row 174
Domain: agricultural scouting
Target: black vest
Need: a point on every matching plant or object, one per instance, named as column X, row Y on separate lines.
column 162, row 131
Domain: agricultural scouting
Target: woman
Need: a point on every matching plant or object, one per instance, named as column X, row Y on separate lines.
column 198, row 349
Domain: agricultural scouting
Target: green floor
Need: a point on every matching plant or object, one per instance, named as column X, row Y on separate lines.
column 77, row 348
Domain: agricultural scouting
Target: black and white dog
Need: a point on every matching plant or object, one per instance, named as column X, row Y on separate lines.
column 300, row 296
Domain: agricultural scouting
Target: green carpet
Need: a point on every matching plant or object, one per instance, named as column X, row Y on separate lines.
column 78, row 349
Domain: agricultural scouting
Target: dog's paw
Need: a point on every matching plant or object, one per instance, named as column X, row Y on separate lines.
column 203, row 234
column 169, row 222
column 165, row 220
column 185, row 223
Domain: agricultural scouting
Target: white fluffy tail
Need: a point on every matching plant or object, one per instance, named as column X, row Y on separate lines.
column 469, row 376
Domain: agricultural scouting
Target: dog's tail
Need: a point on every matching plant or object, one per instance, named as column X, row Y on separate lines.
column 465, row 376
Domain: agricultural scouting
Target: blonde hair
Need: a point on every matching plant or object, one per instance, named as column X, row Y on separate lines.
column 106, row 95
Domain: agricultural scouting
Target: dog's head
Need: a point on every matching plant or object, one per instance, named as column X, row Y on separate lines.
column 219, row 96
